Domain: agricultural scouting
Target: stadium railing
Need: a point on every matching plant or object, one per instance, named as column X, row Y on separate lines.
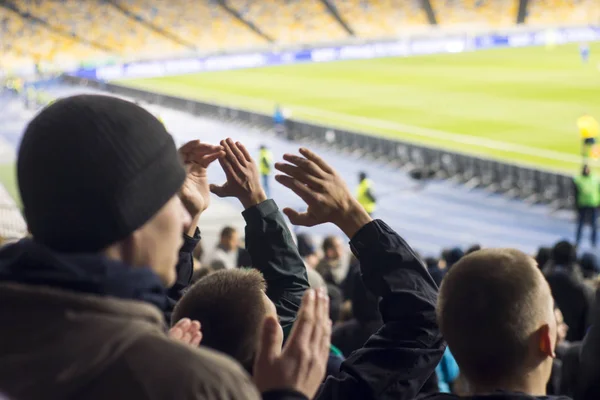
column 423, row 162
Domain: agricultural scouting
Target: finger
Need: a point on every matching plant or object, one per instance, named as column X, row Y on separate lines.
column 187, row 338
column 175, row 333
column 325, row 345
column 305, row 164
column 227, row 167
column 196, row 340
column 269, row 347
column 303, row 327
column 231, row 157
column 236, row 151
column 317, row 160
column 300, row 174
column 183, row 323
column 194, row 327
column 196, row 146
column 300, row 219
column 186, row 148
column 208, row 159
column 321, row 306
column 297, row 187
column 221, row 191
column 245, row 152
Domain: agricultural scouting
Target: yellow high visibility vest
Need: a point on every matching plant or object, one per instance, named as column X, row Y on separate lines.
column 361, row 195
column 265, row 162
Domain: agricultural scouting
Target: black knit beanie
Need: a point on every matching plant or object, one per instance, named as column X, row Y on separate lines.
column 93, row 169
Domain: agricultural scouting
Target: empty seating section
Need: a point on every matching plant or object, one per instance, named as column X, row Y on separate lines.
column 291, row 21
column 99, row 21
column 496, row 13
column 29, row 42
column 207, row 26
column 204, row 23
column 564, row 11
column 381, row 18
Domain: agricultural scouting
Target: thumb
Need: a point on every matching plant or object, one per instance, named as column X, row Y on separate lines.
column 220, row 191
column 269, row 347
column 297, row 218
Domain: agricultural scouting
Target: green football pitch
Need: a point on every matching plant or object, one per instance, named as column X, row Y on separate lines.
column 512, row 104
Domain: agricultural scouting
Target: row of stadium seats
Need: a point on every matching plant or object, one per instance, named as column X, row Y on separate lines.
column 470, row 12
column 30, row 42
column 291, row 21
column 378, row 18
column 209, row 27
column 571, row 11
column 205, row 24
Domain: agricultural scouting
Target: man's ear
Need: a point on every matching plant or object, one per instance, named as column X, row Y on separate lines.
column 545, row 341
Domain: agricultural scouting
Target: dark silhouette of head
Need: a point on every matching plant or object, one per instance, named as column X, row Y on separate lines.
column 362, row 176
column 564, row 253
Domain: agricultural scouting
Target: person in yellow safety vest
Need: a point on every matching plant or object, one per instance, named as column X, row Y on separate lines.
column 265, row 164
column 364, row 194
column 587, row 200
column 589, row 129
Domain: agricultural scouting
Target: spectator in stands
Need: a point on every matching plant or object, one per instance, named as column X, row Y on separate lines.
column 563, row 257
column 307, row 250
column 473, row 249
column 496, row 312
column 589, row 265
column 352, row 335
column 433, row 266
column 239, row 295
column 543, row 255
column 331, row 264
column 101, row 200
column 452, row 256
column 572, row 295
column 402, row 355
column 227, row 250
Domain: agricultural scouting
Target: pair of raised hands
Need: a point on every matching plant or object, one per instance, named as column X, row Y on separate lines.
column 308, row 175
column 302, row 362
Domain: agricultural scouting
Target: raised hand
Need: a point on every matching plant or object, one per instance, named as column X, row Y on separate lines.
column 243, row 179
column 323, row 190
column 301, row 365
column 187, row 332
column 195, row 193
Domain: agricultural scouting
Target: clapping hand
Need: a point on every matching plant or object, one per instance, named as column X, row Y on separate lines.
column 187, row 332
column 195, row 193
column 243, row 179
column 323, row 190
column 302, row 362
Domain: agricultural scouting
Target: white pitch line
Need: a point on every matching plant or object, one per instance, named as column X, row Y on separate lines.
column 400, row 127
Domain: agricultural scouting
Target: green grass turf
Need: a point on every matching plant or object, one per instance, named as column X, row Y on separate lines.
column 8, row 179
column 526, row 96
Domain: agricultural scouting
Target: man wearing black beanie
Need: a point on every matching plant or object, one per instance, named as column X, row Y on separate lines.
column 106, row 199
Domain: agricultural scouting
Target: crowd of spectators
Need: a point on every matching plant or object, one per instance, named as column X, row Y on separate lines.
column 102, row 299
column 491, row 13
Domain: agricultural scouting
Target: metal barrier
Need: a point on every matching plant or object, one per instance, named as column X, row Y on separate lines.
column 522, row 182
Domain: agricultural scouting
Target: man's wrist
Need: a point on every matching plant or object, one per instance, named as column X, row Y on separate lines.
column 253, row 199
column 353, row 220
column 193, row 225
